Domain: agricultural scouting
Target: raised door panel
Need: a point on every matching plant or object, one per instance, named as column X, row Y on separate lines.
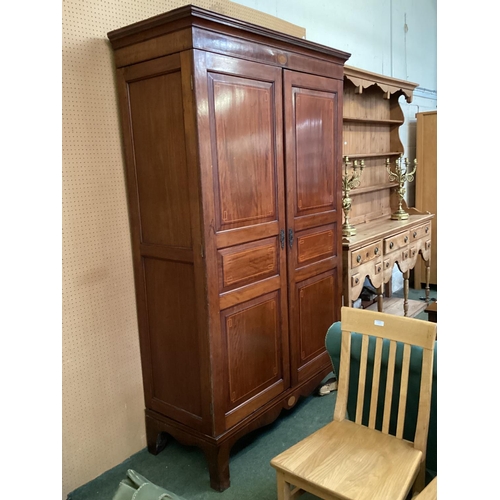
column 173, row 336
column 241, row 142
column 316, row 303
column 253, row 355
column 314, row 148
column 157, row 112
column 246, row 160
column 241, row 147
column 313, row 124
column 244, row 166
column 241, row 265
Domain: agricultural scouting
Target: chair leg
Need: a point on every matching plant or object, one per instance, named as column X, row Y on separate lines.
column 283, row 487
column 419, row 483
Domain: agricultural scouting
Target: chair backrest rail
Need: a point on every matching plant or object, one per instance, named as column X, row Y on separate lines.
column 389, row 387
column 405, row 371
column 376, row 383
column 343, row 381
column 362, row 378
column 413, row 331
column 424, row 405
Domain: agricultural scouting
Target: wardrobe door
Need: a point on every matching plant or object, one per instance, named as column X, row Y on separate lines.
column 241, row 156
column 313, row 125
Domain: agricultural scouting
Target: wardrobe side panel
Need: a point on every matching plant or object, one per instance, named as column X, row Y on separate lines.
column 160, row 209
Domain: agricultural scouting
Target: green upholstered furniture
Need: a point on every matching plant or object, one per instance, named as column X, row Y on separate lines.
column 333, row 342
column 137, row 487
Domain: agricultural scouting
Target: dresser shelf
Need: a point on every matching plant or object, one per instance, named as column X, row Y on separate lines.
column 371, row 189
column 372, row 121
column 372, row 117
column 395, row 306
column 356, row 156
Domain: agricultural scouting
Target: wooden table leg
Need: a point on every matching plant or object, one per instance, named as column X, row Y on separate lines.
column 406, row 288
column 380, row 298
column 283, row 487
column 427, row 279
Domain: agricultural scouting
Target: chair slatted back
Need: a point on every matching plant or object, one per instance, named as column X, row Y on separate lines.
column 396, row 330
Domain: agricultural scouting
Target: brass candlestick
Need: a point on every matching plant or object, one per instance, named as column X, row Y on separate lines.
column 350, row 181
column 401, row 176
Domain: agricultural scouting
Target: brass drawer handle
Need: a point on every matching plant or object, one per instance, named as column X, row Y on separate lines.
column 356, row 281
column 387, row 265
column 427, row 229
column 415, row 234
column 376, row 250
column 358, row 258
column 406, row 239
column 391, row 244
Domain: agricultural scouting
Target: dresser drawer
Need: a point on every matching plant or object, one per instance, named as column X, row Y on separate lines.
column 355, row 280
column 397, row 241
column 420, row 231
column 365, row 254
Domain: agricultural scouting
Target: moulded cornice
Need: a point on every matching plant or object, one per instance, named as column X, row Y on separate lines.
column 192, row 15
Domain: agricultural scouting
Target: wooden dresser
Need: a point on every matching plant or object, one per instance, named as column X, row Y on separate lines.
column 232, row 138
column 372, row 118
column 376, row 248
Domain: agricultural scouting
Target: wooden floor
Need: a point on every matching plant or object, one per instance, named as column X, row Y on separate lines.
column 394, row 305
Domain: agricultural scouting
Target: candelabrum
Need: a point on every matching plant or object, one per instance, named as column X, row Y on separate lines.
column 401, row 176
column 350, row 181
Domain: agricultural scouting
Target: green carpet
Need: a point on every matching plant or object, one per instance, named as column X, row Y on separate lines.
column 183, row 470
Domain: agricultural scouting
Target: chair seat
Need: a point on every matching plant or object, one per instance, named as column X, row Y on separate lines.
column 349, row 461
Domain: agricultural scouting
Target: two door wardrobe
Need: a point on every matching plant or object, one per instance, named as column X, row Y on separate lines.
column 232, row 138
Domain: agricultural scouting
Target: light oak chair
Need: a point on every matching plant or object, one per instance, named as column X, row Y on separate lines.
column 356, row 459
